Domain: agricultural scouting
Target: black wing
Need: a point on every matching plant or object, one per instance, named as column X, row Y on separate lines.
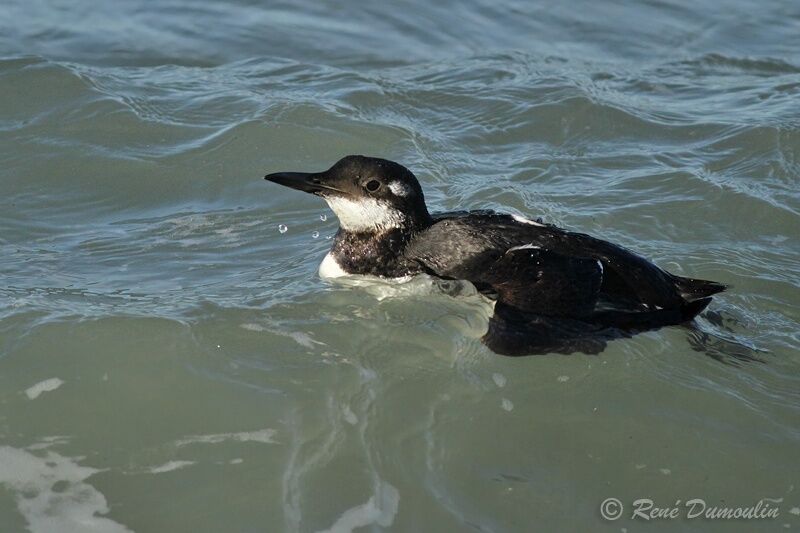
column 540, row 281
column 464, row 245
column 557, row 291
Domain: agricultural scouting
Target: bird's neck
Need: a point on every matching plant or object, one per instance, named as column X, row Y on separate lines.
column 375, row 253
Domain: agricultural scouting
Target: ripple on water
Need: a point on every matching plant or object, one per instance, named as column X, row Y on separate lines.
column 144, row 265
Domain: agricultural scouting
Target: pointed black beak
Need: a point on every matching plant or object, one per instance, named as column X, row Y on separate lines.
column 302, row 181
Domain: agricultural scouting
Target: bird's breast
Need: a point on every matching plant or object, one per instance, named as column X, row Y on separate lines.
column 330, row 268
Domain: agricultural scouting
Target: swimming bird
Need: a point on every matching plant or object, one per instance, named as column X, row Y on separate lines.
column 554, row 289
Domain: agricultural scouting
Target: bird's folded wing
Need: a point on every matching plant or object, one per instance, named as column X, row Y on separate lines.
column 535, row 280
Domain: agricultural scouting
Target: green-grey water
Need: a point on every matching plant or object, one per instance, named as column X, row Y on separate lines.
column 170, row 361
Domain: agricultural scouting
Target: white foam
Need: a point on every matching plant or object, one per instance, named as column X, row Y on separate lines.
column 52, row 495
column 507, row 404
column 349, row 416
column 499, row 380
column 264, row 436
column 418, row 285
column 380, row 509
column 251, row 327
column 303, row 339
column 47, row 442
column 168, row 467
column 382, row 288
column 47, row 385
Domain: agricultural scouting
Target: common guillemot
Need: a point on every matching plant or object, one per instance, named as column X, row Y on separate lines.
column 555, row 290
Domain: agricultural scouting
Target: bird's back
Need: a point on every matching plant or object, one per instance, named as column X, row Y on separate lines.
column 464, row 245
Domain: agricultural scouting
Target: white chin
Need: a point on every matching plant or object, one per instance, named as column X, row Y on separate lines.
column 364, row 214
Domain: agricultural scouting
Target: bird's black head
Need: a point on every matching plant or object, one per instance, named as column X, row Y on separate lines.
column 366, row 193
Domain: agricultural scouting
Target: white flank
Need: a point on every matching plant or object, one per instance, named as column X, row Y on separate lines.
column 365, row 214
column 329, row 268
column 43, row 386
column 524, row 220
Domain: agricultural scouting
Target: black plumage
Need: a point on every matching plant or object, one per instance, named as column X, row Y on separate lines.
column 556, row 290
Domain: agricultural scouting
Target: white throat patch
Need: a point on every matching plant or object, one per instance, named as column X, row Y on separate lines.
column 364, row 214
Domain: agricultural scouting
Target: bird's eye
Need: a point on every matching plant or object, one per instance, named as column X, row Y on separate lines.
column 373, row 185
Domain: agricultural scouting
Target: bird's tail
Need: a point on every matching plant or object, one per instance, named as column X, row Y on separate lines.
column 694, row 289
column 643, row 320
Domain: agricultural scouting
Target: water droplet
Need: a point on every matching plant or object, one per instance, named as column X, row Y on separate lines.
column 282, row 228
column 323, row 217
column 315, row 235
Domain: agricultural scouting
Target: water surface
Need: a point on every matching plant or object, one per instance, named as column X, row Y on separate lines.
column 169, row 360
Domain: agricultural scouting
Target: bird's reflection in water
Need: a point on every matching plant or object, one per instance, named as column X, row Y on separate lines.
column 514, row 333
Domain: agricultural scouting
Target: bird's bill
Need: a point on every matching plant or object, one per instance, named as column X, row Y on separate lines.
column 313, row 182
column 302, row 181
